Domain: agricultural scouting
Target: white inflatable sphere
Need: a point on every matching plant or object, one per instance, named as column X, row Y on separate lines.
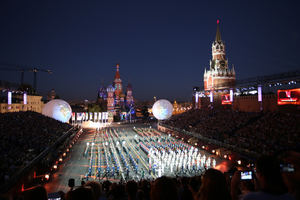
column 58, row 109
column 162, row 109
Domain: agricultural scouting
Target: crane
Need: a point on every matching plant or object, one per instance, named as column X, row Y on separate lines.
column 22, row 69
column 35, row 70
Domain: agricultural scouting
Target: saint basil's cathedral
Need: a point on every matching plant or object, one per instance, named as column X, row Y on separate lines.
column 116, row 101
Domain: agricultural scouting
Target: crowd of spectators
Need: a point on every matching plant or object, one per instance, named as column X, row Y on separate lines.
column 23, row 136
column 268, row 182
column 273, row 132
column 257, row 132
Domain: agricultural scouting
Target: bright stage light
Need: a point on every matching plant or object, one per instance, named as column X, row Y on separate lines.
column 47, row 176
column 94, row 125
column 162, row 109
column 58, row 109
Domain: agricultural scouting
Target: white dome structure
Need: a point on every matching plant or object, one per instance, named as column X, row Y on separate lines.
column 58, row 109
column 162, row 109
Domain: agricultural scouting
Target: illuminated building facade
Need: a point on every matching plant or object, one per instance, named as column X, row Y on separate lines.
column 219, row 75
column 16, row 101
column 117, row 101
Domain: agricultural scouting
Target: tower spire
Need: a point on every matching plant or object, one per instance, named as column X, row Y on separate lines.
column 218, row 35
column 117, row 76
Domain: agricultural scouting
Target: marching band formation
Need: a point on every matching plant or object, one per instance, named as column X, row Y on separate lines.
column 142, row 153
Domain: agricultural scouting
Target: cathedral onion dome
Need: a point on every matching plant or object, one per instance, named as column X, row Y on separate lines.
column 102, row 92
column 110, row 88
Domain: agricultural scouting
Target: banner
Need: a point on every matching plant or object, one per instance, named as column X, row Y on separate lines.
column 73, row 116
column 226, row 99
column 100, row 116
column 9, row 98
column 78, row 117
column 25, row 98
column 291, row 96
column 95, row 116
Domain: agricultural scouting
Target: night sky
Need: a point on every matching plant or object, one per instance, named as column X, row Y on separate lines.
column 162, row 47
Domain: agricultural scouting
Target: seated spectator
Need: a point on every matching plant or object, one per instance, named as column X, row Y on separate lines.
column 184, row 191
column 163, row 188
column 240, row 188
column 194, row 185
column 269, row 179
column 140, row 195
column 23, row 136
column 80, row 193
column 131, row 189
column 292, row 178
column 96, row 187
column 213, row 186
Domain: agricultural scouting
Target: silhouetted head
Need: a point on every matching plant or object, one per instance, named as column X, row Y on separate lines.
column 268, row 175
column 163, row 188
column 96, row 187
column 80, row 193
column 213, row 186
column 131, row 189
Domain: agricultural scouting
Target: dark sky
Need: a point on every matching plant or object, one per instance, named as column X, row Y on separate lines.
column 162, row 46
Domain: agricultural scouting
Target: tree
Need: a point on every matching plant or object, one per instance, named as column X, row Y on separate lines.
column 145, row 112
column 94, row 108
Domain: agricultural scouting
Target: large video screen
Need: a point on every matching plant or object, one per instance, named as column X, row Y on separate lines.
column 291, row 96
column 226, row 99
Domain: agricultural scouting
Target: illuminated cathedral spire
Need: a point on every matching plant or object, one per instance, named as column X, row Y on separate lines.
column 118, row 85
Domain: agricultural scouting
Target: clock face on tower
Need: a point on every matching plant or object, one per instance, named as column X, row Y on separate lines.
column 222, row 64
